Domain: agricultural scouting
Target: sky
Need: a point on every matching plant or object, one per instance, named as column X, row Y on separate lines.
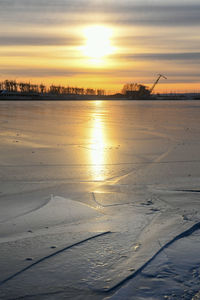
column 101, row 43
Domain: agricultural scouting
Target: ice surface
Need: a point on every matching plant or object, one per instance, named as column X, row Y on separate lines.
column 91, row 191
column 173, row 274
column 56, row 211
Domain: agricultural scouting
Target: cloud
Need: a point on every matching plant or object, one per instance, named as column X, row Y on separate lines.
column 162, row 56
column 24, row 40
column 39, row 72
column 180, row 13
column 126, row 75
column 53, row 72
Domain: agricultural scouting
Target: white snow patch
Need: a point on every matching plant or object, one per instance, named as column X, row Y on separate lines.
column 58, row 210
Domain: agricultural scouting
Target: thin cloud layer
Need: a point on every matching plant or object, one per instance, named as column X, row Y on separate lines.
column 137, row 12
column 185, row 56
column 26, row 40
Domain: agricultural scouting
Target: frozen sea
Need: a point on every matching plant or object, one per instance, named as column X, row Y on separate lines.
column 100, row 200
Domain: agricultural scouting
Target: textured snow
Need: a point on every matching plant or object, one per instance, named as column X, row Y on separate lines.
column 56, row 211
column 96, row 200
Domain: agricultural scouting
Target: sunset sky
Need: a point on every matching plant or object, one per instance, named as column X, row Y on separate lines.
column 101, row 43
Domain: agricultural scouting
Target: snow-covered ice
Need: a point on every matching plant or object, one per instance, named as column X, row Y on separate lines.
column 99, row 200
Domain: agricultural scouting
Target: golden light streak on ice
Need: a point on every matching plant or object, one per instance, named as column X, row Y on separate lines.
column 98, row 142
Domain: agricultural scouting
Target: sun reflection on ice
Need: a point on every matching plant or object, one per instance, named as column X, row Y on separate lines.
column 97, row 153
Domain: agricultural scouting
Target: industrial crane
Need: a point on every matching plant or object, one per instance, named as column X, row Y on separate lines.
column 153, row 86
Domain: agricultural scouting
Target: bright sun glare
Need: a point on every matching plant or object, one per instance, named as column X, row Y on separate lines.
column 98, row 42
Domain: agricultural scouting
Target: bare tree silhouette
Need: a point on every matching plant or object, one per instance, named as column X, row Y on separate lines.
column 27, row 87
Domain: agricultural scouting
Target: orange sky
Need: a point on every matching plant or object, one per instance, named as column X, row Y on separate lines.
column 60, row 42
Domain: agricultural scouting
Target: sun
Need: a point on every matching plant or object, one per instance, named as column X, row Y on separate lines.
column 98, row 42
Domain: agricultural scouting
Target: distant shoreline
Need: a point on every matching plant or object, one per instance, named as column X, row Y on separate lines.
column 109, row 99
column 51, row 97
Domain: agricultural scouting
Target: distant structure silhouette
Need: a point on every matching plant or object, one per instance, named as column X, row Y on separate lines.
column 140, row 91
column 156, row 82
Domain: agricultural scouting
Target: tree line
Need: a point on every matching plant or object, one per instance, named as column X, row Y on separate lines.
column 27, row 87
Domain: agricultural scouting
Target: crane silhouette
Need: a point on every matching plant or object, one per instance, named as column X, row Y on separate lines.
column 156, row 82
